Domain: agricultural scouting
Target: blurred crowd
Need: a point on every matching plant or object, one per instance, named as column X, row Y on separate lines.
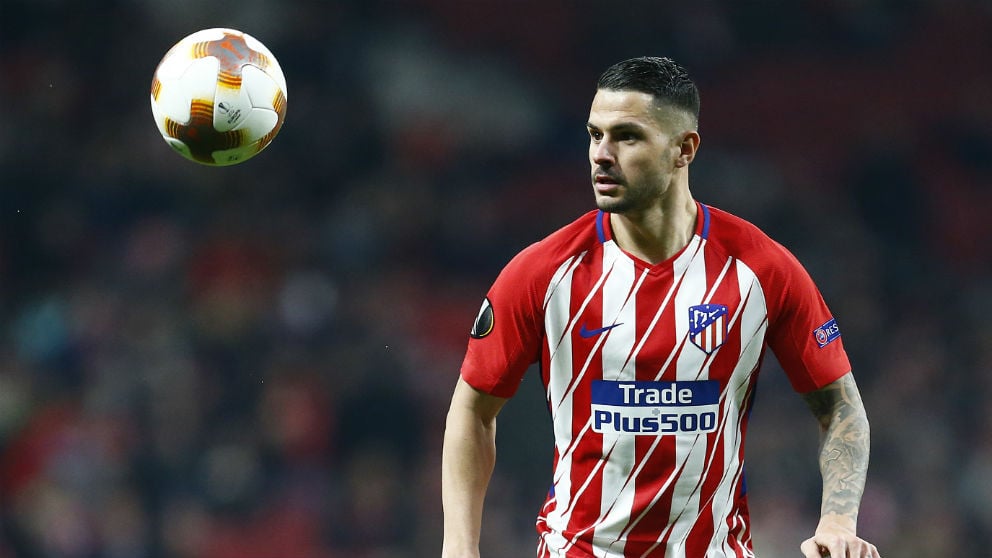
column 255, row 361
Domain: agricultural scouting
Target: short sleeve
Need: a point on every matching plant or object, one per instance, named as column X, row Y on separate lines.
column 802, row 332
column 508, row 331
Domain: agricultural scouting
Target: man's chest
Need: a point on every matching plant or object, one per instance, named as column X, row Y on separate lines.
column 626, row 322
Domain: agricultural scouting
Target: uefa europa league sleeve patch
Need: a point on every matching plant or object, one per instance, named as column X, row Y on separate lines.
column 483, row 325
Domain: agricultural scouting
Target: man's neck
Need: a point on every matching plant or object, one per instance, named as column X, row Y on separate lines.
column 658, row 233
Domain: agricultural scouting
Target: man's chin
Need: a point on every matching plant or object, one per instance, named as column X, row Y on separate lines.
column 610, row 204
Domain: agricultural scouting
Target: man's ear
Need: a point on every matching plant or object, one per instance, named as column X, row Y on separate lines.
column 688, row 148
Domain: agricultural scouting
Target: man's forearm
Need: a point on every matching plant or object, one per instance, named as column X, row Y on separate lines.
column 467, row 462
column 844, row 448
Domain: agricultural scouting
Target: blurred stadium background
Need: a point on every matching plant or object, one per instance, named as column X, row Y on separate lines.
column 255, row 361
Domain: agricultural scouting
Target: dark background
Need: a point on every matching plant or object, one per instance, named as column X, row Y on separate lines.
column 255, row 361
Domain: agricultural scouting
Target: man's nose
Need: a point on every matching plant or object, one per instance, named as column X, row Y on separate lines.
column 602, row 153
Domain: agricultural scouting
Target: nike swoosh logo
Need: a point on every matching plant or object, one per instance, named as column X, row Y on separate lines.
column 587, row 333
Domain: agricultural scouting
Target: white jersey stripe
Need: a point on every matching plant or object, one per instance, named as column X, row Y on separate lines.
column 557, row 303
column 558, row 279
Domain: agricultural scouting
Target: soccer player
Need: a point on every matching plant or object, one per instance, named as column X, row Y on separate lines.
column 649, row 317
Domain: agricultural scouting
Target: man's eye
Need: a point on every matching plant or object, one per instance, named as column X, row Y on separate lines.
column 596, row 135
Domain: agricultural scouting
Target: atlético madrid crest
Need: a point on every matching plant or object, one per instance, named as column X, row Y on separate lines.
column 708, row 326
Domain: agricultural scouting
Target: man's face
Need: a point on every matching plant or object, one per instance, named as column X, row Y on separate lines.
column 633, row 148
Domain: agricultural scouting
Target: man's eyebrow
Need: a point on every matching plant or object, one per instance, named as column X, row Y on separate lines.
column 619, row 127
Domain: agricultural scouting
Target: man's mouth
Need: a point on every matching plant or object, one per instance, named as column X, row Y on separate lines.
column 603, row 178
column 605, row 183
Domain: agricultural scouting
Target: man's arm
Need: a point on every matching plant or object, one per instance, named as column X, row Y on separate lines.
column 844, row 448
column 467, row 462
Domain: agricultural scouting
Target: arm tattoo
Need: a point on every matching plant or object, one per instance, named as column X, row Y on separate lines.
column 844, row 445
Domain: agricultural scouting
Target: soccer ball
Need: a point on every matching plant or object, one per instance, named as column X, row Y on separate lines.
column 218, row 97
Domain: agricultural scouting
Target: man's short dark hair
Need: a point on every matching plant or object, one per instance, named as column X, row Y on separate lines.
column 667, row 81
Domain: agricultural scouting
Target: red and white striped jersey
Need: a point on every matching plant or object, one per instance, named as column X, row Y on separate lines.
column 649, row 372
